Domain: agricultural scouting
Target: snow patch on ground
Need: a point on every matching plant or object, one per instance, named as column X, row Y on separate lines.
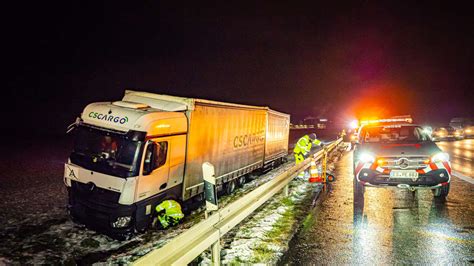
column 254, row 236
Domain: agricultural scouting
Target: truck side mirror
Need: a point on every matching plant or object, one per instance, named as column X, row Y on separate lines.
column 149, row 163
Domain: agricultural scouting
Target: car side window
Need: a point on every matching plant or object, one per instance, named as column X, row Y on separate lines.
column 160, row 153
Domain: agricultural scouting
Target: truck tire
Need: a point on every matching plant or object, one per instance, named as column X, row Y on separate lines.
column 441, row 192
column 229, row 187
column 241, row 181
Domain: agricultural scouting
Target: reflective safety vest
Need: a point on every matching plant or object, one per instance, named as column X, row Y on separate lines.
column 172, row 213
column 303, row 145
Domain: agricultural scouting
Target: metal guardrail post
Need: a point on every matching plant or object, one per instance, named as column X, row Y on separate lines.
column 216, row 253
column 325, row 166
column 286, row 192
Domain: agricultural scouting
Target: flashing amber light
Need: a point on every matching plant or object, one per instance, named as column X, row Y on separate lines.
column 380, row 162
column 388, row 120
column 427, row 161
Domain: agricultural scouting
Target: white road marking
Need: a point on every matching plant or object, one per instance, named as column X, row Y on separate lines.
column 463, row 177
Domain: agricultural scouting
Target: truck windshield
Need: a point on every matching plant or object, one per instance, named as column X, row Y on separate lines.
column 105, row 152
column 384, row 134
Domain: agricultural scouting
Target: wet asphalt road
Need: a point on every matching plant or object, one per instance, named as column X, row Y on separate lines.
column 396, row 227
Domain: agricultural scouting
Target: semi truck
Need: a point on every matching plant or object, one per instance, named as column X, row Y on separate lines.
column 132, row 154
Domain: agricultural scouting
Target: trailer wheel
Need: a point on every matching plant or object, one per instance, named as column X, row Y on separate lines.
column 241, row 181
column 229, row 187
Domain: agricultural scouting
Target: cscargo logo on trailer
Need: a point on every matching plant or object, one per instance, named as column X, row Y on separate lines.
column 108, row 117
column 248, row 139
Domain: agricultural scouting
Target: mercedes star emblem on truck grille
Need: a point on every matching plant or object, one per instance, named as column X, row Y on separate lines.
column 403, row 163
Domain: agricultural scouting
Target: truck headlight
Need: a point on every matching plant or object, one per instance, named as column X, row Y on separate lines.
column 366, row 158
column 122, row 221
column 440, row 157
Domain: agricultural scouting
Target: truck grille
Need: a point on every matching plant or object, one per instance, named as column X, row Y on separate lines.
column 96, row 195
column 403, row 162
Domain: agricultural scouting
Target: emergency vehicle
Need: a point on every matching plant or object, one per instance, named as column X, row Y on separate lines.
column 131, row 155
column 397, row 154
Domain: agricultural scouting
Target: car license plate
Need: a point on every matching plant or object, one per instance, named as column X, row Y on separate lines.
column 404, row 174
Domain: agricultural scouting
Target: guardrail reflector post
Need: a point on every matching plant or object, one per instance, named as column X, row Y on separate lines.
column 210, row 189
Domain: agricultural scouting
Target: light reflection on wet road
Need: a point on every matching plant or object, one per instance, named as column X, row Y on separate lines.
column 461, row 154
column 397, row 226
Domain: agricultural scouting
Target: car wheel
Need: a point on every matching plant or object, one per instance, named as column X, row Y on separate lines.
column 441, row 192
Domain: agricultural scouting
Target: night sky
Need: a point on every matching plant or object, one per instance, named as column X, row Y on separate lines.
column 306, row 58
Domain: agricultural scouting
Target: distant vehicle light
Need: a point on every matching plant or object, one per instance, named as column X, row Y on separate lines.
column 440, row 157
column 468, row 130
column 366, row 158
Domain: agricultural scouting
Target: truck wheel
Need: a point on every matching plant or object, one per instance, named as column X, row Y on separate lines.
column 441, row 192
column 241, row 181
column 229, row 187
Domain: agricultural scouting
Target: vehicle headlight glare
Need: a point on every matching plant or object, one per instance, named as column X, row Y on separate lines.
column 121, row 222
column 440, row 157
column 366, row 158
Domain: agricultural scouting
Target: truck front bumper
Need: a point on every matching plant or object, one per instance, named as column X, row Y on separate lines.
column 431, row 179
column 100, row 215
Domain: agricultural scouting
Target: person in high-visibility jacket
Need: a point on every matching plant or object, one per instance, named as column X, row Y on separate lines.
column 169, row 213
column 303, row 147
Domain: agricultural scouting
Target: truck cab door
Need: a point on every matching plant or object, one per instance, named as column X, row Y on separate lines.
column 155, row 170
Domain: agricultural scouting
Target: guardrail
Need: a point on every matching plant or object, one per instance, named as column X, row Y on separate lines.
column 184, row 248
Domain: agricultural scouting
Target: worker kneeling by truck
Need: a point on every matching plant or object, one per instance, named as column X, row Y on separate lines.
column 132, row 156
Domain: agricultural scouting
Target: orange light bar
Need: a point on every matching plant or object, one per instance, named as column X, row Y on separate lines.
column 389, row 120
